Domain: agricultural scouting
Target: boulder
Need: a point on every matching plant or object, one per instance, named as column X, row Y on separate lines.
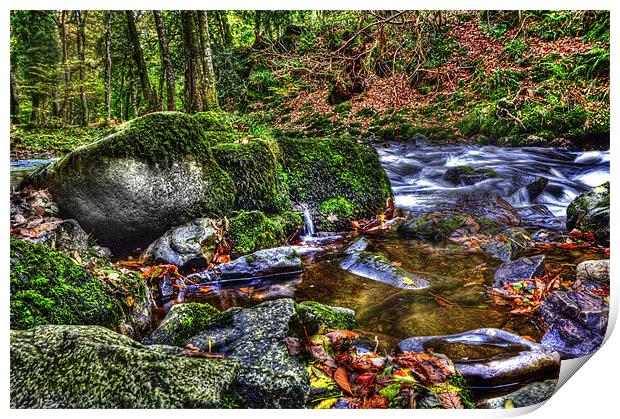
column 152, row 173
column 190, row 246
column 269, row 377
column 488, row 358
column 465, row 175
column 378, row 268
column 595, row 272
column 250, row 231
column 528, row 395
column 320, row 170
column 182, row 322
column 90, row 367
column 590, row 212
column 441, row 225
column 490, row 206
column 314, row 316
column 264, row 263
column 519, row 270
column 576, row 322
column 536, row 187
column 47, row 287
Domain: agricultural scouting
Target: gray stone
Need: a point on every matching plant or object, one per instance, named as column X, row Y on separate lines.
column 519, row 270
column 590, row 212
column 92, row 367
column 378, row 268
column 531, row 394
column 535, row 188
column 264, row 263
column 491, row 206
column 190, row 246
column 576, row 322
column 269, row 376
column 596, row 271
column 490, row 357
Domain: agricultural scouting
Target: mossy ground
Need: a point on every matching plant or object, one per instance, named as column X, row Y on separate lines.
column 49, row 288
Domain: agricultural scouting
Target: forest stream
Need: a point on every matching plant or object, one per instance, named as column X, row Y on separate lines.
column 456, row 300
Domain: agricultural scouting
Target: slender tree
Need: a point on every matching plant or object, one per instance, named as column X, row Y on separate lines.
column 166, row 62
column 148, row 93
column 108, row 64
column 193, row 98
column 14, row 100
column 208, row 89
column 80, row 19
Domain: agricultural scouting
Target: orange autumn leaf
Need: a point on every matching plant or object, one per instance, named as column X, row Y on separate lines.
column 342, row 379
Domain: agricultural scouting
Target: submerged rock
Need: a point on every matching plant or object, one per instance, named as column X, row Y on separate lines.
column 490, row 206
column 576, row 322
column 519, row 270
column 590, row 212
column 90, row 367
column 47, row 287
column 264, row 263
column 441, row 225
column 190, row 246
column 490, row 357
column 377, row 267
column 269, row 377
column 531, row 394
column 595, row 272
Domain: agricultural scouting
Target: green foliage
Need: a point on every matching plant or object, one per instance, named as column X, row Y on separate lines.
column 47, row 287
column 517, row 50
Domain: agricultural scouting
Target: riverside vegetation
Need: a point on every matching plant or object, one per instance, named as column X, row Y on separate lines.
column 274, row 209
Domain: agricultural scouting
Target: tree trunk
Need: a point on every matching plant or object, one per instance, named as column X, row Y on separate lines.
column 193, row 99
column 14, row 101
column 108, row 65
column 225, row 33
column 258, row 41
column 67, row 72
column 208, row 89
column 81, row 46
column 149, row 94
column 171, row 95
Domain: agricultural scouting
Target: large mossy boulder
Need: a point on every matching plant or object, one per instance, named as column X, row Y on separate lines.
column 91, row 367
column 257, row 173
column 47, row 287
column 337, row 175
column 128, row 188
column 590, row 212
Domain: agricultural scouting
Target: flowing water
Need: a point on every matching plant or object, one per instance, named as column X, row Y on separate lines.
column 456, row 301
column 20, row 168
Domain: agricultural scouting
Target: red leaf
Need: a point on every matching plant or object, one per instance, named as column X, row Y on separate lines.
column 342, row 379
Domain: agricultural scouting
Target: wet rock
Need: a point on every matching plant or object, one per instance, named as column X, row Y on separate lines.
column 92, row 367
column 490, row 206
column 190, row 246
column 377, row 267
column 269, row 377
column 490, row 357
column 594, row 271
column 519, row 270
column 576, row 322
column 528, row 395
column 70, row 238
column 535, row 211
column 504, row 247
column 535, row 188
column 465, row 175
column 264, row 263
column 182, row 322
column 590, row 212
column 440, row 226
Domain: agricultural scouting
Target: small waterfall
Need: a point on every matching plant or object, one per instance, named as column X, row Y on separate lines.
column 309, row 224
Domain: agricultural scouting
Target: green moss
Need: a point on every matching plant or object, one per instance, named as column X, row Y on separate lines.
column 49, row 288
column 315, row 316
column 256, row 173
column 253, row 230
column 320, row 170
column 214, row 121
column 182, row 322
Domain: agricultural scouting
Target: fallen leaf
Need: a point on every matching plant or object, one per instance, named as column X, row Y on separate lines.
column 342, row 379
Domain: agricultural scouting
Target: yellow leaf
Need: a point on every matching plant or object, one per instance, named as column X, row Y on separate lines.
column 509, row 404
column 407, row 281
column 129, row 301
column 327, row 403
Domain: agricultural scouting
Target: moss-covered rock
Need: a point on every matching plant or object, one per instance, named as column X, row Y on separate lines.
column 441, row 225
column 128, row 188
column 92, row 367
column 251, row 231
column 257, row 174
column 182, row 322
column 214, row 121
column 314, row 316
column 47, row 287
column 319, row 170
column 590, row 212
